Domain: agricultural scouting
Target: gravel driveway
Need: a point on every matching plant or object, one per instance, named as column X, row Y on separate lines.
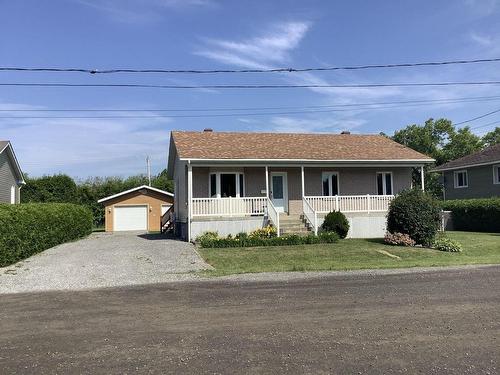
column 104, row 260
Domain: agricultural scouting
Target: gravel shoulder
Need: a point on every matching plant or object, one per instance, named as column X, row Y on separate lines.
column 104, row 260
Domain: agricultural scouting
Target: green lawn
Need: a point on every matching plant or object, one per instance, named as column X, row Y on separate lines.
column 351, row 254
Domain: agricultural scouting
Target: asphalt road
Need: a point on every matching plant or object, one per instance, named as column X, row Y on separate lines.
column 439, row 322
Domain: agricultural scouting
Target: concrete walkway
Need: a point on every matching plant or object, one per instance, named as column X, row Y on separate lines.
column 104, row 260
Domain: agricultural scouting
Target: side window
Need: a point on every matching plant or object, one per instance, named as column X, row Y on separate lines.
column 461, row 179
column 12, row 194
column 496, row 174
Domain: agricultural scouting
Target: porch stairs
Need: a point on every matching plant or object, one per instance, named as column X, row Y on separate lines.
column 293, row 224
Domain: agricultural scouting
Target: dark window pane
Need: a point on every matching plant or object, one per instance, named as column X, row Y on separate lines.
column 380, row 182
column 465, row 178
column 228, row 185
column 335, row 184
column 241, row 185
column 278, row 187
column 213, row 185
column 326, row 186
column 498, row 174
column 388, row 184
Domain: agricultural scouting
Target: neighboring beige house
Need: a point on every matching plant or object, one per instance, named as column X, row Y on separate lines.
column 237, row 182
column 11, row 176
column 143, row 208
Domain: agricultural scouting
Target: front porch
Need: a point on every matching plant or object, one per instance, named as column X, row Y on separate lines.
column 235, row 199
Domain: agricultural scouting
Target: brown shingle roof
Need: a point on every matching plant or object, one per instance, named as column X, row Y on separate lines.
column 488, row 155
column 290, row 146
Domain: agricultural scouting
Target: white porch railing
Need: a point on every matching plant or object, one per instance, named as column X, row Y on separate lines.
column 310, row 215
column 273, row 215
column 350, row 203
column 229, row 206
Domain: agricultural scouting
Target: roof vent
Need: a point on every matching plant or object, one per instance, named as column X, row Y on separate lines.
column 208, row 130
column 345, row 132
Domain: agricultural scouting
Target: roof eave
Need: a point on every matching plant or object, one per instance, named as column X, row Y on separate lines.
column 132, row 190
column 466, row 166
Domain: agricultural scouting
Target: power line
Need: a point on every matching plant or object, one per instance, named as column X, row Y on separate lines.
column 478, row 117
column 346, row 105
column 485, row 125
column 256, row 86
column 274, row 70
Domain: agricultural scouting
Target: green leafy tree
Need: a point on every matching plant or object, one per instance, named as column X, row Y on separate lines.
column 441, row 141
column 461, row 142
column 492, row 138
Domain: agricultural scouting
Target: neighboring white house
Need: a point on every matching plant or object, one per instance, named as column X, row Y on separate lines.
column 237, row 182
column 11, row 176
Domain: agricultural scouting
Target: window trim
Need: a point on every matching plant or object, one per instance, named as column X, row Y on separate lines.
column 496, row 174
column 455, row 179
column 218, row 185
column 330, row 182
column 12, row 194
column 384, row 182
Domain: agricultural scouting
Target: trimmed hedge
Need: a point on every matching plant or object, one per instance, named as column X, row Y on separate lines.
column 27, row 229
column 475, row 215
column 293, row 239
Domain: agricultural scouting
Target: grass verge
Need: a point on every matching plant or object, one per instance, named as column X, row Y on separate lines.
column 351, row 254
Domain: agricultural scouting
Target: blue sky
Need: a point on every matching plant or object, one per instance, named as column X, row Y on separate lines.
column 200, row 34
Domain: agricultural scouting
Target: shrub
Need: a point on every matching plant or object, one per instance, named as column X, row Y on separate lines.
column 446, row 244
column 27, row 229
column 479, row 215
column 336, row 222
column 399, row 239
column 207, row 236
column 266, row 232
column 416, row 214
column 292, row 239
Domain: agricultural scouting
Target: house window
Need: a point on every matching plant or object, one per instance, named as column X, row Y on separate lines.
column 330, row 182
column 461, row 179
column 384, row 183
column 223, row 185
column 12, row 194
column 496, row 174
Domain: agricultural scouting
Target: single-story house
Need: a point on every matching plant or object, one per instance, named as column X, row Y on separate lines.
column 143, row 208
column 473, row 176
column 11, row 176
column 233, row 182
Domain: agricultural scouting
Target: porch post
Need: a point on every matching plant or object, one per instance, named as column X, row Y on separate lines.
column 302, row 175
column 422, row 177
column 190, row 198
column 267, row 182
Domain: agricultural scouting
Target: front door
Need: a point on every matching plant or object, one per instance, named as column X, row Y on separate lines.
column 279, row 191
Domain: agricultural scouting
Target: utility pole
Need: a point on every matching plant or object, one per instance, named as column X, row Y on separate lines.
column 148, row 164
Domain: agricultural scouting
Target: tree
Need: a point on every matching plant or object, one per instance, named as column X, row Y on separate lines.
column 461, row 142
column 492, row 138
column 428, row 139
column 439, row 140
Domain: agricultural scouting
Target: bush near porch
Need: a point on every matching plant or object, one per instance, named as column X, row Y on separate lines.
column 212, row 240
column 27, row 229
column 479, row 215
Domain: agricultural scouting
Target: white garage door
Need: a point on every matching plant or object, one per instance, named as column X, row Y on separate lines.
column 130, row 218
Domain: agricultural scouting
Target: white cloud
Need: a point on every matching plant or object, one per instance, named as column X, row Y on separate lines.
column 482, row 40
column 257, row 52
column 141, row 10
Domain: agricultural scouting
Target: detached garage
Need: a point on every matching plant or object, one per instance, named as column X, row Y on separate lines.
column 138, row 209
